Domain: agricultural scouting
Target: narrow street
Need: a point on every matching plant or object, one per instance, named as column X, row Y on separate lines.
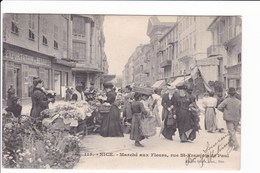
column 158, row 153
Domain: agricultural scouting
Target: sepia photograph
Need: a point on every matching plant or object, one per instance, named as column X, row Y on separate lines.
column 88, row 91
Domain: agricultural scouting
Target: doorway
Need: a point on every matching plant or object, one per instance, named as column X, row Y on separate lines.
column 18, row 82
column 57, row 83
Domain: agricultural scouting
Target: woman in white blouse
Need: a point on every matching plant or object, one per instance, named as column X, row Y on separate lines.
column 209, row 103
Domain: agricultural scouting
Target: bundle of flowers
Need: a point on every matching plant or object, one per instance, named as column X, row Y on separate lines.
column 24, row 146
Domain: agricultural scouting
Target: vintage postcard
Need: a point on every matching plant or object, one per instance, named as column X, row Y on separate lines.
column 121, row 91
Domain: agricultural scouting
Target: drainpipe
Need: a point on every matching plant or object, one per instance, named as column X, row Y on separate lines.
column 39, row 32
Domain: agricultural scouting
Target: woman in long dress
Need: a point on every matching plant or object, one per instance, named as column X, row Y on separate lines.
column 40, row 101
column 111, row 126
column 186, row 123
column 138, row 111
column 209, row 104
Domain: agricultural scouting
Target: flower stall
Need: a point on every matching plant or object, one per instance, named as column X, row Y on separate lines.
column 55, row 145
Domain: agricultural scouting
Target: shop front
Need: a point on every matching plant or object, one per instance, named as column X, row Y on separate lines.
column 85, row 75
column 62, row 76
column 20, row 66
column 233, row 76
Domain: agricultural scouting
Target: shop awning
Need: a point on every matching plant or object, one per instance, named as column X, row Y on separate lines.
column 64, row 62
column 180, row 79
column 86, row 70
column 158, row 83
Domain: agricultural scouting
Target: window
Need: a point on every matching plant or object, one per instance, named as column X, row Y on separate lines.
column 190, row 46
column 238, row 25
column 31, row 22
column 230, row 28
column 180, row 47
column 239, row 58
column 64, row 36
column 220, row 30
column 44, row 26
column 15, row 29
column 194, row 40
column 79, row 50
column 44, row 41
column 55, row 35
column 55, row 29
column 31, row 35
column 55, row 44
column 78, row 26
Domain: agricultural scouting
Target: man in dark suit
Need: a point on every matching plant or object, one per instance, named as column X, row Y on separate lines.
column 168, row 114
column 167, row 101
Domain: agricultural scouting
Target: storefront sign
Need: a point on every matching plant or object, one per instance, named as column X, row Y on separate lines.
column 27, row 59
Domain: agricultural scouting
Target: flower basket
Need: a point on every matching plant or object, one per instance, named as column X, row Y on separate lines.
column 148, row 126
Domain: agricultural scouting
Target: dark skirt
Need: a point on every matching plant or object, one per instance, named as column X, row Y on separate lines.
column 111, row 126
column 136, row 132
column 186, row 123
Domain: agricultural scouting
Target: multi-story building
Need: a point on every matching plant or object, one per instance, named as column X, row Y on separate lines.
column 34, row 45
column 155, row 30
column 88, row 49
column 226, row 46
column 145, row 67
column 61, row 49
column 168, row 48
column 137, row 68
column 193, row 41
column 128, row 74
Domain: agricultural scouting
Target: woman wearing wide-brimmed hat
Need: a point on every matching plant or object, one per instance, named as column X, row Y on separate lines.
column 111, row 126
column 40, row 101
column 185, row 121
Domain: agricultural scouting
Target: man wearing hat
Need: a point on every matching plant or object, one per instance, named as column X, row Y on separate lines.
column 168, row 128
column 231, row 108
column 91, row 92
column 78, row 94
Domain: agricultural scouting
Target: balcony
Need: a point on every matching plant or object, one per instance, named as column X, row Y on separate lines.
column 215, row 50
column 166, row 63
column 79, row 37
column 185, row 55
column 234, row 69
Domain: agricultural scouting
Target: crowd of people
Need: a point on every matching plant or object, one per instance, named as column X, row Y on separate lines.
column 139, row 112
